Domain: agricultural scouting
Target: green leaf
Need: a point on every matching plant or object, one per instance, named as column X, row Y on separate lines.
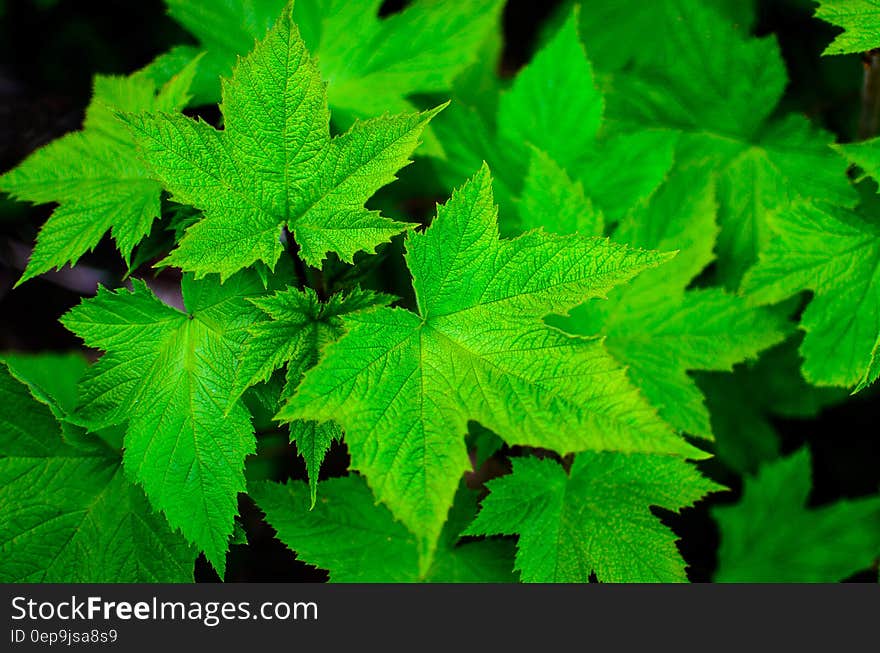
column 403, row 385
column 51, row 378
column 610, row 28
column 741, row 405
column 771, row 535
column 553, row 105
column 549, row 191
column 595, row 519
column 224, row 30
column 275, row 164
column 295, row 328
column 657, row 327
column 167, row 374
column 71, row 516
column 720, row 87
column 553, row 102
column 860, row 20
column 373, row 66
column 95, row 175
column 367, row 544
column 833, row 252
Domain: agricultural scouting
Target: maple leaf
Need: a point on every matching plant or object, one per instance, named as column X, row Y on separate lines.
column 657, row 327
column 594, row 519
column 404, row 385
column 368, row 545
column 835, row 253
column 167, row 373
column 295, row 327
column 95, row 174
column 860, row 20
column 275, row 164
column 70, row 515
column 719, row 88
column 553, row 105
column 771, row 535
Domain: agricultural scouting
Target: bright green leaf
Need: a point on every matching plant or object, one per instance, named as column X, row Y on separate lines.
column 168, row 374
column 95, row 175
column 595, row 519
column 835, row 253
column 553, row 105
column 275, row 164
column 404, row 385
column 658, row 328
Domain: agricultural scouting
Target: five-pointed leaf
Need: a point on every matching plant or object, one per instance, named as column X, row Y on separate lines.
column 95, row 175
column 404, row 385
column 360, row 542
column 595, row 519
column 771, row 535
column 835, row 253
column 70, row 515
column 275, row 164
column 168, row 374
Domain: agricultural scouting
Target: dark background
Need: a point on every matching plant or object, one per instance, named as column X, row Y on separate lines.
column 49, row 50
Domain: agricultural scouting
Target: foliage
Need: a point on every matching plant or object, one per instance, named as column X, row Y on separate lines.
column 587, row 340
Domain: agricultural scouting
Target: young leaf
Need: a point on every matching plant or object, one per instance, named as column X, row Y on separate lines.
column 595, row 519
column 367, row 544
column 295, row 328
column 833, row 252
column 771, row 535
column 860, row 20
column 275, row 164
column 76, row 519
column 404, row 385
column 95, row 175
column 168, row 374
